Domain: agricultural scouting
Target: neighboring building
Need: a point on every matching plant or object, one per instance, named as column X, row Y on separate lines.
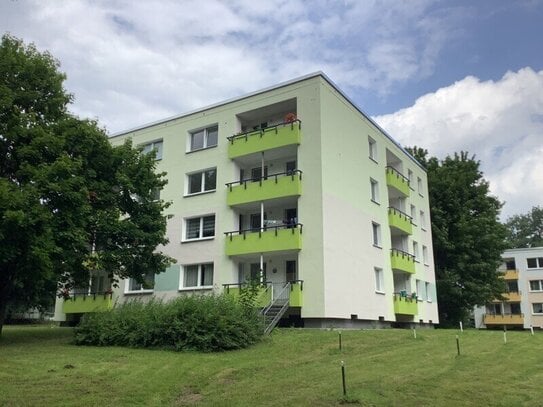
column 295, row 186
column 522, row 270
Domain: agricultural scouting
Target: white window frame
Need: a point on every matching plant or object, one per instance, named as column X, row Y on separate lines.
column 202, row 182
column 428, row 296
column 372, row 147
column 201, row 231
column 416, row 252
column 425, row 255
column 414, row 215
column 539, row 263
column 376, row 234
column 374, row 190
column 157, row 145
column 537, row 313
column 199, row 285
column 379, row 280
column 206, row 145
column 422, row 217
column 540, row 282
column 142, row 290
column 410, row 178
column 420, row 187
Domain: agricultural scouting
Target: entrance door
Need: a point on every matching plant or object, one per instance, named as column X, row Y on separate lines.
column 291, row 217
column 255, row 221
column 290, row 267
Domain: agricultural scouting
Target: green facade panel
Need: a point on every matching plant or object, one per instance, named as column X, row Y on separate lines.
column 263, row 298
column 400, row 221
column 405, row 305
column 263, row 242
column 273, row 187
column 88, row 303
column 397, row 181
column 296, row 295
column 402, row 261
column 265, row 139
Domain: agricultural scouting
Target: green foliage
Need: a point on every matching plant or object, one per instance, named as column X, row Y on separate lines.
column 468, row 239
column 70, row 203
column 525, row 230
column 248, row 295
column 206, row 323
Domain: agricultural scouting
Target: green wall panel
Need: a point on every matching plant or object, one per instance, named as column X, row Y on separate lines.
column 396, row 180
column 88, row 303
column 400, row 221
column 273, row 187
column 266, row 139
column 268, row 241
column 405, row 305
column 403, row 262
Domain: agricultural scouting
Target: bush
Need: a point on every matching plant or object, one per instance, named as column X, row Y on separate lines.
column 203, row 323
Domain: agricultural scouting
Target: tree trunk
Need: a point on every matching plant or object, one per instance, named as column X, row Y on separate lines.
column 3, row 309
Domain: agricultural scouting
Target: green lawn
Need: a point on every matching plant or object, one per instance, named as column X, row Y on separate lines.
column 40, row 366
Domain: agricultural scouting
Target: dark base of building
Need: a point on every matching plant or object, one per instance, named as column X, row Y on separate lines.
column 336, row 323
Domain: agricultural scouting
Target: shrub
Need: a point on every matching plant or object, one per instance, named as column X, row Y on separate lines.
column 203, row 323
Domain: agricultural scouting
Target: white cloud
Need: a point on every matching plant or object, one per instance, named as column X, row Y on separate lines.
column 501, row 122
column 134, row 62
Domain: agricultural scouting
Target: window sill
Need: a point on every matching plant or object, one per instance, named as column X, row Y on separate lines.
column 378, row 247
column 198, row 240
column 430, row 301
column 380, row 292
column 202, row 288
column 199, row 193
column 375, row 202
column 139, row 292
column 422, row 196
column 200, row 149
column 423, row 229
column 426, row 264
column 373, row 159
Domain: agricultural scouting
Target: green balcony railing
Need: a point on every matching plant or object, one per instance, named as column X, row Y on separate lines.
column 405, row 305
column 281, row 135
column 296, row 293
column 264, row 295
column 400, row 220
column 270, row 187
column 82, row 303
column 403, row 261
column 271, row 239
column 397, row 180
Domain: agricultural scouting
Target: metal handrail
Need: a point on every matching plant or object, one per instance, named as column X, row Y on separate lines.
column 284, row 306
column 73, row 296
column 403, row 254
column 505, row 314
column 398, row 174
column 263, row 130
column 258, row 230
column 265, row 177
column 406, row 297
column 396, row 210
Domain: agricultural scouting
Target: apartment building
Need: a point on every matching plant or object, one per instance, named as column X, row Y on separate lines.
column 522, row 307
column 296, row 187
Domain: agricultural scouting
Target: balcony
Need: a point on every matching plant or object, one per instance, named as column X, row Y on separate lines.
column 506, row 319
column 396, row 180
column 512, row 296
column 263, row 298
column 402, row 261
column 405, row 305
column 296, row 298
column 273, row 186
column 271, row 239
column 400, row 220
column 510, row 275
column 281, row 135
column 81, row 303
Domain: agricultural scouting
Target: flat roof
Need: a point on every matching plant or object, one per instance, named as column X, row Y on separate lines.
column 268, row 89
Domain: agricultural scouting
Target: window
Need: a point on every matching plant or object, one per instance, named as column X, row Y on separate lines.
column 200, row 228
column 413, row 215
column 536, row 285
column 155, row 145
column 376, row 230
column 372, row 148
column 510, row 264
column 197, row 276
column 419, row 185
column 379, row 280
column 416, row 251
column 537, row 308
column 421, row 290
column 204, row 138
column 155, row 194
column 410, row 178
column 422, row 220
column 425, row 255
column 203, row 181
column 133, row 286
column 374, row 190
column 534, row 263
column 428, row 292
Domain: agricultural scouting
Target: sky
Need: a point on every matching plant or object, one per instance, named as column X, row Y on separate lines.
column 447, row 76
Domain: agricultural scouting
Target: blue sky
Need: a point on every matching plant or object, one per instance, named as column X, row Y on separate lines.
column 444, row 75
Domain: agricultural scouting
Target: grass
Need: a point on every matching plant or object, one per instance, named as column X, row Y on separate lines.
column 41, row 366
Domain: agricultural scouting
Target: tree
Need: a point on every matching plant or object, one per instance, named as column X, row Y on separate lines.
column 468, row 239
column 70, row 203
column 525, row 230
